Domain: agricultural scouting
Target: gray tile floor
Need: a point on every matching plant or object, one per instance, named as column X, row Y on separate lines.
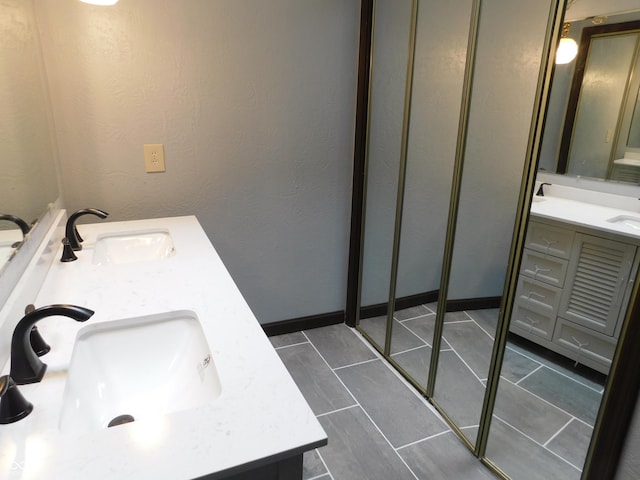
column 379, row 427
column 545, row 409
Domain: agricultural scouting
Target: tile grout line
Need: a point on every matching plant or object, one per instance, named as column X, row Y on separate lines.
column 366, row 413
column 338, row 410
column 324, row 463
column 557, row 433
column 538, row 443
column 539, row 367
column 467, row 365
column 410, row 350
column 416, row 317
column 353, row 364
column 537, row 361
column 453, row 322
column 429, row 313
column 288, row 346
column 544, row 400
column 423, row 439
column 398, row 375
column 411, row 332
column 320, row 476
column 600, row 391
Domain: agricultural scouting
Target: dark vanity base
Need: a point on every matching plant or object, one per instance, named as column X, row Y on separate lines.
column 287, row 469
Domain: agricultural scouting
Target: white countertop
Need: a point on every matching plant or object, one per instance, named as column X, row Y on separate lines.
column 260, row 416
column 587, row 209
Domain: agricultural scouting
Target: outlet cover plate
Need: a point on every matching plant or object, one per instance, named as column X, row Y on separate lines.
column 154, row 157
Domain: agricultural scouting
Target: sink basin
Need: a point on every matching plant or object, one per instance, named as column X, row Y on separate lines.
column 128, row 247
column 139, row 367
column 628, row 220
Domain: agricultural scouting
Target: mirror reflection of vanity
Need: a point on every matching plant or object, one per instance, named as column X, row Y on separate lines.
column 574, row 278
column 28, row 178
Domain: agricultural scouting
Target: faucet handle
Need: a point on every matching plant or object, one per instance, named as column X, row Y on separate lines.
column 67, row 251
column 13, row 406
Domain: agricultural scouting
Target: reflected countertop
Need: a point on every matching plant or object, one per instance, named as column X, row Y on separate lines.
column 613, row 214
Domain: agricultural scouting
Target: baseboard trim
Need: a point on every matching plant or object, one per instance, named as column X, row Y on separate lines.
column 479, row 303
column 401, row 303
column 302, row 323
column 325, row 319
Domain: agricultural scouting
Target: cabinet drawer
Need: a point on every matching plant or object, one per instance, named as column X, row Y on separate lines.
column 537, row 296
column 545, row 268
column 548, row 239
column 532, row 322
column 584, row 344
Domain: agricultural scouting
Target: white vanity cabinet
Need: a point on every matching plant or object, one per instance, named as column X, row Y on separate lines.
column 573, row 290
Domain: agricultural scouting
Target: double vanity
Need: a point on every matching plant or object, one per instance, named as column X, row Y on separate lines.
column 576, row 277
column 171, row 378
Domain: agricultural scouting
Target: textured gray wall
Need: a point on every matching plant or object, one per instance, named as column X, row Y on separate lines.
column 508, row 60
column 28, row 179
column 255, row 104
column 509, row 52
column 441, row 44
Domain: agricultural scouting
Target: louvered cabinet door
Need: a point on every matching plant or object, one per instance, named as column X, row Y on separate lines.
column 596, row 281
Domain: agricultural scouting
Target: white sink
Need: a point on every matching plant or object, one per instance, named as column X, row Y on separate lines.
column 628, row 220
column 143, row 367
column 128, row 247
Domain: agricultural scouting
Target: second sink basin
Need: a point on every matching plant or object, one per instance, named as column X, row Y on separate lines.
column 128, row 247
column 628, row 220
column 138, row 368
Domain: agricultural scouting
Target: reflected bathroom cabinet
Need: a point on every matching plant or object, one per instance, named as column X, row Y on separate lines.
column 573, row 291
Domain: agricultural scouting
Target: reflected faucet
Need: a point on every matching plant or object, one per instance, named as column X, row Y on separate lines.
column 540, row 192
column 71, row 232
column 24, row 226
column 26, row 367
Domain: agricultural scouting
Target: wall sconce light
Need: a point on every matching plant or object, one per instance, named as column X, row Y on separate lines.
column 568, row 48
column 100, row 2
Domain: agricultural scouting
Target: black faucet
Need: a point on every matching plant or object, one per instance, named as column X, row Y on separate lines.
column 24, row 226
column 71, row 232
column 540, row 192
column 26, row 367
column 13, row 406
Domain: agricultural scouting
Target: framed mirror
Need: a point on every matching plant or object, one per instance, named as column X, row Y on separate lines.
column 28, row 177
column 575, row 281
column 592, row 103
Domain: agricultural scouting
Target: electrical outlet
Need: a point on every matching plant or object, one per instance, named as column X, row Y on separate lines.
column 154, row 157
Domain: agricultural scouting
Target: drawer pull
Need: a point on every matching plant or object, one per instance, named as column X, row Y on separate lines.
column 536, row 294
column 549, row 243
column 580, row 345
column 540, row 269
column 531, row 322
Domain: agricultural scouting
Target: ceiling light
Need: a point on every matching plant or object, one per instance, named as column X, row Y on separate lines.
column 568, row 48
column 100, row 2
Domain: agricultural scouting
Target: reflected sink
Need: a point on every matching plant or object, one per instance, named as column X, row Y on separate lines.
column 128, row 247
column 628, row 220
column 142, row 367
column 5, row 253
